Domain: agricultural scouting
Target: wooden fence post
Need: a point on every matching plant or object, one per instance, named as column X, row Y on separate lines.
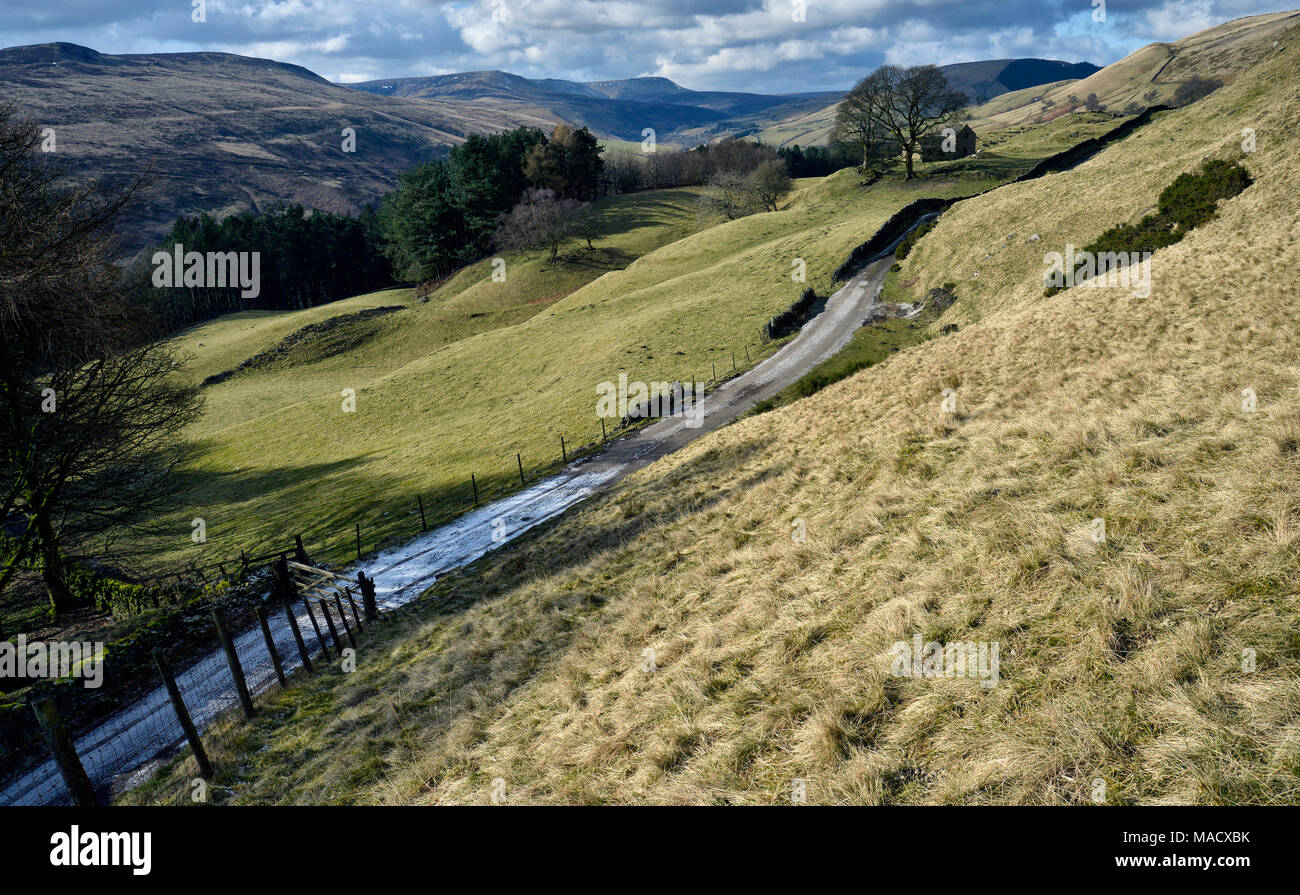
column 232, row 659
column 473, row 483
column 270, row 646
column 284, row 586
column 746, row 354
column 564, row 454
column 320, row 638
column 183, row 716
column 329, row 620
column 424, row 526
column 602, row 428
column 733, row 360
column 65, row 752
column 343, row 620
column 299, row 553
column 367, row 586
column 356, row 613
column 519, row 458
column 358, row 540
column 297, row 637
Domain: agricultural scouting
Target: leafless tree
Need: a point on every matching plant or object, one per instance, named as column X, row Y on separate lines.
column 90, row 412
column 728, row 194
column 859, row 121
column 540, row 220
column 908, row 104
column 770, row 183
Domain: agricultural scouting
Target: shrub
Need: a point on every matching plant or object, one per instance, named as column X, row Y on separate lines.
column 1196, row 88
column 1191, row 200
column 905, row 247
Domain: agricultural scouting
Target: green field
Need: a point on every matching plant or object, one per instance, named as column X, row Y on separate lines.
column 457, row 385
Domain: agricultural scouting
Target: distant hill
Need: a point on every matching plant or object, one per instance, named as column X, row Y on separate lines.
column 620, row 109
column 221, row 133
column 808, row 120
column 1150, row 75
column 623, row 108
column 558, row 100
column 982, row 81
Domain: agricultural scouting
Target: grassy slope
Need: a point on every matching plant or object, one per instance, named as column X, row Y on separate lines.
column 250, row 480
column 441, row 394
column 1120, row 661
column 1222, row 52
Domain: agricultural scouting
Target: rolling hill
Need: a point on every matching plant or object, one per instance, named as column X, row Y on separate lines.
column 810, row 123
column 1151, row 75
column 454, row 386
column 772, row 657
column 622, row 108
column 556, row 100
column 221, row 133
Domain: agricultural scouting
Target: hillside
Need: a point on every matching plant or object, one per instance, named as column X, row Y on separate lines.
column 621, row 109
column 556, row 100
column 810, row 122
column 456, row 386
column 221, row 133
column 237, row 133
column 1151, row 75
column 1121, row 660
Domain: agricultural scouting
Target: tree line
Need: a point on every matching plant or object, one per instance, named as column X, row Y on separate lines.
column 445, row 212
column 518, row 189
column 304, row 259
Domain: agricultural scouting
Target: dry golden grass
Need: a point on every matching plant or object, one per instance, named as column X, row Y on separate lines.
column 1151, row 74
column 1120, row 660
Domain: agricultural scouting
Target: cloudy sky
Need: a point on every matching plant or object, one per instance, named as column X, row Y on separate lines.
column 772, row 46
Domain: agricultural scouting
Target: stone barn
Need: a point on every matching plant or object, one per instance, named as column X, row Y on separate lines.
column 932, row 145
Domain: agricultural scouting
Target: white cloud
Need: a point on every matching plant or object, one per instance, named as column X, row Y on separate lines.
column 706, row 44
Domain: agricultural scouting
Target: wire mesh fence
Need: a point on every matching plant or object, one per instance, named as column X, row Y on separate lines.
column 148, row 727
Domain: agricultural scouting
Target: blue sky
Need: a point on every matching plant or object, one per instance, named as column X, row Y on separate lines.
column 753, row 45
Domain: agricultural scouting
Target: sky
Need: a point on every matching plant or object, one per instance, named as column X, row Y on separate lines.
column 762, row 46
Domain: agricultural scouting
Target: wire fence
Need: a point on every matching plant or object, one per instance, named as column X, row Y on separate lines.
column 310, row 625
column 99, row 751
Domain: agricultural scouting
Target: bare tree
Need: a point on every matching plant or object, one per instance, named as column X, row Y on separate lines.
column 770, row 183
column 728, row 193
column 588, row 224
column 909, row 103
column 90, row 412
column 540, row 220
column 859, row 120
